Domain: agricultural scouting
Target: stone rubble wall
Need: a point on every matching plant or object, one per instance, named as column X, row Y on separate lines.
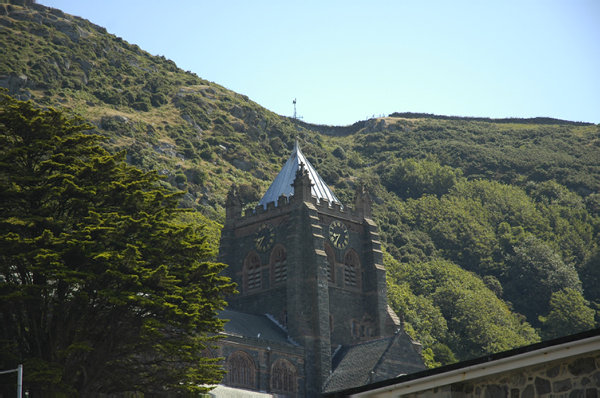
column 577, row 377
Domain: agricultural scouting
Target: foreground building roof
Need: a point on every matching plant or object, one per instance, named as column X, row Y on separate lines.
column 282, row 185
column 565, row 367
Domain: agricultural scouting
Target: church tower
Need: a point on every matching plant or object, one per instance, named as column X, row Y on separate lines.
column 309, row 263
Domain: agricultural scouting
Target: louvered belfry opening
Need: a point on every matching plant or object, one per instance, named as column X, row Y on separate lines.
column 252, row 271
column 279, row 261
column 351, row 269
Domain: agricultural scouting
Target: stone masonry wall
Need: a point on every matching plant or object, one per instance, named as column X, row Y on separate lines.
column 573, row 378
column 264, row 354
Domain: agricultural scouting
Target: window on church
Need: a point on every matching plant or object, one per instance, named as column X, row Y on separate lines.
column 283, row 377
column 351, row 269
column 354, row 325
column 279, row 260
column 363, row 329
column 240, row 370
column 253, row 276
column 330, row 263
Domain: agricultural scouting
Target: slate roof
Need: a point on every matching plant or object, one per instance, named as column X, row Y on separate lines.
column 282, row 184
column 353, row 364
column 254, row 326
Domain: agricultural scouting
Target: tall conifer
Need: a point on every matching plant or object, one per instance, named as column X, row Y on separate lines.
column 102, row 289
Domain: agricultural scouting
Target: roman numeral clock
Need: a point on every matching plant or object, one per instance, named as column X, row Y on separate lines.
column 338, row 235
column 264, row 237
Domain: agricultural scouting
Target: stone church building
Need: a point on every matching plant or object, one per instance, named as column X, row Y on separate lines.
column 311, row 315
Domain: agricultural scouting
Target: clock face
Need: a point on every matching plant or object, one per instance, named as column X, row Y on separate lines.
column 264, row 237
column 338, row 235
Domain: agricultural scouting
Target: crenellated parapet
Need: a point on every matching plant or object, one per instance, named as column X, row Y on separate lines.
column 286, row 203
column 303, row 185
column 261, row 212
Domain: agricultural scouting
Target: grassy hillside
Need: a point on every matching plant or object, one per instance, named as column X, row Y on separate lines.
column 477, row 216
column 201, row 136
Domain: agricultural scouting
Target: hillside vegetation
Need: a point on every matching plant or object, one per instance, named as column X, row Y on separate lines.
column 491, row 227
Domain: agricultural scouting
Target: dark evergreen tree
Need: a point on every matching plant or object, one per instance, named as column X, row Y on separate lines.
column 102, row 287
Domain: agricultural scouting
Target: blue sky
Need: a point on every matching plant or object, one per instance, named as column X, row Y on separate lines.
column 346, row 61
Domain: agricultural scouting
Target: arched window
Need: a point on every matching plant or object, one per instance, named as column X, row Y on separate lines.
column 252, row 271
column 283, row 377
column 330, row 263
column 240, row 370
column 279, row 264
column 351, row 269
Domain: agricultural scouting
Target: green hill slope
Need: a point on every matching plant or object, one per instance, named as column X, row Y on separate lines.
column 502, row 210
column 197, row 133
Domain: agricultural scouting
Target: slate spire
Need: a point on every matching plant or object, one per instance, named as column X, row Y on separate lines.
column 283, row 183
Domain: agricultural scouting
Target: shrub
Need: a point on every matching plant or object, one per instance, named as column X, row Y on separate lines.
column 158, row 99
column 207, row 154
column 339, row 153
column 180, row 178
column 141, row 106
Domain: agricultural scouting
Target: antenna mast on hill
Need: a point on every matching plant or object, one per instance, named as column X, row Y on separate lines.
column 295, row 116
column 294, row 109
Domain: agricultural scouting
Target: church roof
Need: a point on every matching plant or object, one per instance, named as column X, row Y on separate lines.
column 254, row 326
column 282, row 185
column 353, row 364
column 371, row 361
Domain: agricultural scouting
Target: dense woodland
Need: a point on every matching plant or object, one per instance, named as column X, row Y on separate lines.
column 491, row 228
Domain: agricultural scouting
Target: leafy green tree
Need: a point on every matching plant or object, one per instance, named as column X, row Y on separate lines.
column 412, row 178
column 492, row 283
column 458, row 227
column 572, row 223
column 533, row 273
column 478, row 322
column 569, row 314
column 444, row 354
column 590, row 277
column 503, row 204
column 423, row 321
column 102, row 287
